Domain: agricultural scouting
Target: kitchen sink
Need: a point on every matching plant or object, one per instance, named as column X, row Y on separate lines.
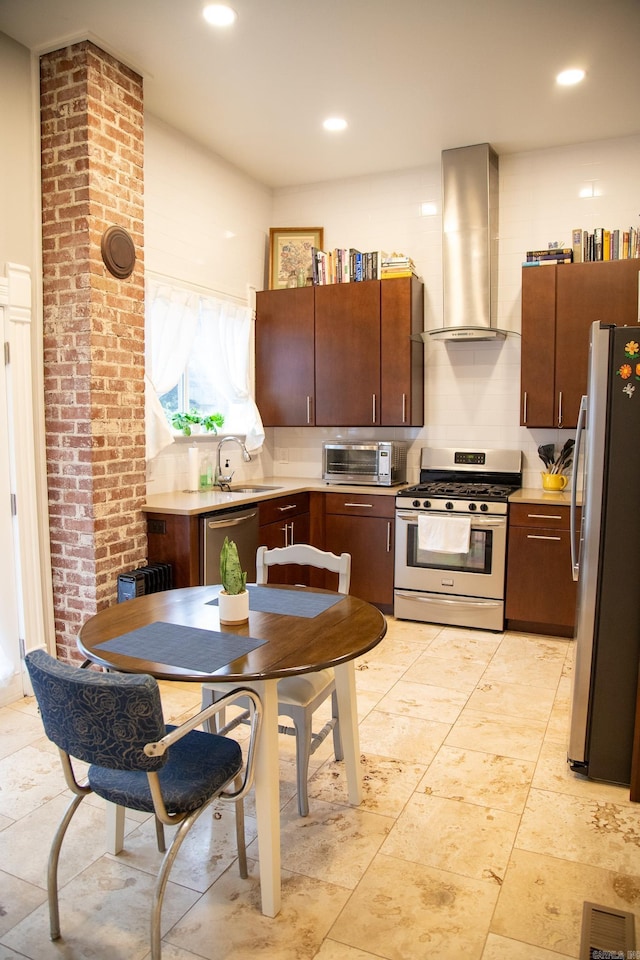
column 252, row 488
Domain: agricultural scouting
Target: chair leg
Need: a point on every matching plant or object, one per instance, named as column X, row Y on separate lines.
column 162, row 847
column 337, row 739
column 162, row 878
column 52, row 869
column 167, row 863
column 302, row 724
column 240, row 835
column 213, row 724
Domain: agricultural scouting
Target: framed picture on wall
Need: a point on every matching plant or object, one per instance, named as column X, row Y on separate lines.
column 290, row 255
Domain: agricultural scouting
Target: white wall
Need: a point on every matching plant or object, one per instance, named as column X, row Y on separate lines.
column 206, row 224
column 17, row 156
column 472, row 390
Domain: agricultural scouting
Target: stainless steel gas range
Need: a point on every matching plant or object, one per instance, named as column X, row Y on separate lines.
column 451, row 537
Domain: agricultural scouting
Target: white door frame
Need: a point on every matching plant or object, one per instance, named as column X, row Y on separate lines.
column 29, row 579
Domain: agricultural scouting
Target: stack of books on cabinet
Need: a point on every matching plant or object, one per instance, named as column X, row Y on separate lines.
column 347, row 265
column 605, row 244
column 588, row 247
column 550, row 256
column 397, row 265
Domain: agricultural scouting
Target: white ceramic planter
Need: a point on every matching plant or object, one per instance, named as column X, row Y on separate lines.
column 233, row 607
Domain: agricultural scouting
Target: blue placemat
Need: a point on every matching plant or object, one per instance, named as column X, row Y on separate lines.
column 177, row 646
column 295, row 603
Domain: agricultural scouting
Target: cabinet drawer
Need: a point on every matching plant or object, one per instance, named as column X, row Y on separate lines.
column 548, row 515
column 283, row 508
column 360, row 505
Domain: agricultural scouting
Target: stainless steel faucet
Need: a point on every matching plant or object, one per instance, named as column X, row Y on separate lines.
column 223, row 480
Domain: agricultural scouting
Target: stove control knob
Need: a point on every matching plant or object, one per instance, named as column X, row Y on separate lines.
column 449, row 505
column 472, row 506
column 416, row 503
column 426, row 504
column 484, row 507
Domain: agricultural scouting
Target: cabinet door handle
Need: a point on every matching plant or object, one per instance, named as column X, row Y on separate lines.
column 373, row 408
column 404, row 408
column 291, row 540
column 560, row 408
column 308, row 409
column 543, row 516
column 524, row 407
column 347, row 504
column 289, row 506
column 389, row 537
column 533, row 536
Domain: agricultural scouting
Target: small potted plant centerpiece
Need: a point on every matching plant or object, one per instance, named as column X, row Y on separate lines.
column 233, row 599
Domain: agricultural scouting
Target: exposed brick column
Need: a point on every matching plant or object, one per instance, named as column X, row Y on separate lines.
column 92, row 178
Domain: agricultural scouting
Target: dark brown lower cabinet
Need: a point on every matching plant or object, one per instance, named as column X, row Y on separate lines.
column 283, row 522
column 541, row 593
column 175, row 539
column 364, row 527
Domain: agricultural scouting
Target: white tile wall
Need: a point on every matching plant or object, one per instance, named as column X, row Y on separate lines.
column 471, row 390
column 194, row 202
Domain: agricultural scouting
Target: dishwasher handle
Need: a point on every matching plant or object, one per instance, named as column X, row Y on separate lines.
column 231, row 522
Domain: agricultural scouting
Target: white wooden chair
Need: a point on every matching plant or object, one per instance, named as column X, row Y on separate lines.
column 300, row 696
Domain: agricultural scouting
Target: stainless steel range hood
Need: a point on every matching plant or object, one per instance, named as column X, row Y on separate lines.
column 469, row 244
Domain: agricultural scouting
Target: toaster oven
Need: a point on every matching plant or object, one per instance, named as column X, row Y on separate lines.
column 376, row 462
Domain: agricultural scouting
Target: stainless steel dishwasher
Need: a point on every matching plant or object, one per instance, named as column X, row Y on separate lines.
column 240, row 525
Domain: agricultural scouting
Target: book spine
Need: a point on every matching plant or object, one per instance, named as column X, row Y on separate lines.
column 558, row 255
column 549, row 252
column 576, row 242
column 598, row 243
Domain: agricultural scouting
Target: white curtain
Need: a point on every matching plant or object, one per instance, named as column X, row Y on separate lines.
column 171, row 321
column 175, row 316
column 225, row 334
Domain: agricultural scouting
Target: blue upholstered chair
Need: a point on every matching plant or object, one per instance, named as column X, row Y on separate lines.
column 114, row 722
column 300, row 696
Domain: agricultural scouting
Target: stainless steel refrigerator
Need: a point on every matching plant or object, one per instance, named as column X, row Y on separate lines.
column 606, row 558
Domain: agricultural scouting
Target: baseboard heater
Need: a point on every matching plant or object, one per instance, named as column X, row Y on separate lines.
column 150, row 579
column 607, row 932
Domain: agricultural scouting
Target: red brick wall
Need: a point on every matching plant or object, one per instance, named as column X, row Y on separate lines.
column 92, row 178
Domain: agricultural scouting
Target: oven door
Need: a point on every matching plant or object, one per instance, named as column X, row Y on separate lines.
column 478, row 573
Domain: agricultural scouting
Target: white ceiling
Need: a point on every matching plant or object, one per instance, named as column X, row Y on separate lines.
column 412, row 77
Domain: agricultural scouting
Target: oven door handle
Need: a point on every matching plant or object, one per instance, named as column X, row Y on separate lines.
column 476, row 521
column 453, row 602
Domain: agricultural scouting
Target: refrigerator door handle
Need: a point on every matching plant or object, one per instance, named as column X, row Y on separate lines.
column 575, row 559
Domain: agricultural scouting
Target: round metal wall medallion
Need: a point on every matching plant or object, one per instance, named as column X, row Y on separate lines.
column 118, row 252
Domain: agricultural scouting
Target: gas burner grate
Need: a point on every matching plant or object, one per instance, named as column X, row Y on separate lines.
column 461, row 490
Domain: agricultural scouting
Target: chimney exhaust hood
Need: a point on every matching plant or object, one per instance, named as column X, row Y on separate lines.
column 469, row 245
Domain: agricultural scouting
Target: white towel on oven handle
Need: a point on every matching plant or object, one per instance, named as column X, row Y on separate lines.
column 444, row 534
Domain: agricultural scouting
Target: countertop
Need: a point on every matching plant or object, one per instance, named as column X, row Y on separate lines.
column 210, row 501
column 540, row 496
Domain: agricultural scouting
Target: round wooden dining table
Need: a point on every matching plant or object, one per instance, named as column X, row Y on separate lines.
column 174, row 635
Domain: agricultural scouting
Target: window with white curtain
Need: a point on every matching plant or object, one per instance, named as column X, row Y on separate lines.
column 197, row 355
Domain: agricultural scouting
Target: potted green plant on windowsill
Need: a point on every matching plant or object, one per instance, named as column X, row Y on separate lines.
column 212, row 422
column 186, row 423
column 233, row 599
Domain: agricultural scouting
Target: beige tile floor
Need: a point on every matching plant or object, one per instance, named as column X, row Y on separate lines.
column 474, row 839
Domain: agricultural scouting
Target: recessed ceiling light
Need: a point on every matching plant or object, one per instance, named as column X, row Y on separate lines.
column 567, row 78
column 219, row 14
column 335, row 123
